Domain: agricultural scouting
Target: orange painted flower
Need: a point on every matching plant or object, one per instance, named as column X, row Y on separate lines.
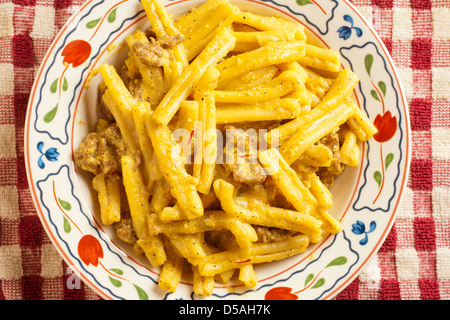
column 76, row 52
column 90, row 250
column 386, row 125
column 280, row 293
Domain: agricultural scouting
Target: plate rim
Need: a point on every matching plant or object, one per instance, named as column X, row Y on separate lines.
column 335, row 291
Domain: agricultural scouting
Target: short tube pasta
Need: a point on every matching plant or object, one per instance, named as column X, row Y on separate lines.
column 220, row 138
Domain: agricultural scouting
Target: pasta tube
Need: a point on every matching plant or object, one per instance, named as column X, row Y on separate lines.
column 213, row 53
column 211, row 220
column 264, row 215
column 171, row 162
column 108, row 188
column 285, row 83
column 258, row 253
column 270, row 54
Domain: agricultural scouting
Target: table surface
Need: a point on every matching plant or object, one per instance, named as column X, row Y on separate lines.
column 412, row 264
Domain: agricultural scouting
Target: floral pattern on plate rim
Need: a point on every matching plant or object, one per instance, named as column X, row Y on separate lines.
column 96, row 259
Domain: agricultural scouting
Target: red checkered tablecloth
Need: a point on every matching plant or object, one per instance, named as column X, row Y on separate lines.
column 413, row 263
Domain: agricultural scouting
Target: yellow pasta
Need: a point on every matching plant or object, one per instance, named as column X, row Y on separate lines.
column 108, row 188
column 171, row 271
column 259, row 253
column 201, row 24
column 285, row 83
column 350, row 152
column 270, row 54
column 276, row 109
column 171, row 162
column 266, row 23
column 204, row 95
column 293, row 148
column 213, row 53
column 140, row 209
column 225, row 132
column 211, row 220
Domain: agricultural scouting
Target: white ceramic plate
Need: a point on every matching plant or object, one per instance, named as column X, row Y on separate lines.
column 62, row 110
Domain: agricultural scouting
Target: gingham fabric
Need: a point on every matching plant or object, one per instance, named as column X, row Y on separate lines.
column 413, row 263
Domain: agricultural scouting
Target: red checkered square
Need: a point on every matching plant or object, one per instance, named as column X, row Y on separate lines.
column 421, row 53
column 420, row 112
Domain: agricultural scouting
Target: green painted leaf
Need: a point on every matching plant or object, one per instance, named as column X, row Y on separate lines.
column 339, row 261
column 319, row 283
column 303, row 2
column 112, row 16
column 117, row 271
column 66, row 205
column 51, row 115
column 141, row 293
column 368, row 63
column 382, row 86
column 54, row 86
column 377, row 177
column 91, row 24
column 115, row 282
column 388, row 160
column 374, row 94
column 67, row 226
column 309, row 278
column 65, row 85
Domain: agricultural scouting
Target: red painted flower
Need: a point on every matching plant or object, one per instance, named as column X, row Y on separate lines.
column 90, row 250
column 386, row 125
column 76, row 52
column 280, row 293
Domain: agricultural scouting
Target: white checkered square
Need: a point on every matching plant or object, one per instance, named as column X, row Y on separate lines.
column 7, row 141
column 441, row 83
column 11, row 262
column 406, row 77
column 441, row 23
column 371, row 274
column 6, row 20
column 52, row 266
column 440, row 143
column 44, row 27
column 441, row 203
column 406, row 209
column 407, row 262
column 9, row 202
column 402, row 28
column 443, row 264
column 6, row 79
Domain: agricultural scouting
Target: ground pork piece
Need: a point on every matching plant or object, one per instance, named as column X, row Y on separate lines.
column 241, row 157
column 172, row 40
column 124, row 229
column 269, row 235
column 150, row 53
column 221, row 239
column 96, row 156
column 136, row 88
column 328, row 174
column 113, row 137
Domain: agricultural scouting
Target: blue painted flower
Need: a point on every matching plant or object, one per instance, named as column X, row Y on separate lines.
column 360, row 228
column 345, row 31
column 51, row 154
